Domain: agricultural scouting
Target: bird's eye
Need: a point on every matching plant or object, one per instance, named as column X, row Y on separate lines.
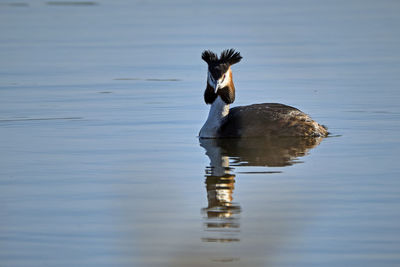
column 223, row 77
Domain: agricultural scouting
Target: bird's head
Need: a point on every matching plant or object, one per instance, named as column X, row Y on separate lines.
column 219, row 78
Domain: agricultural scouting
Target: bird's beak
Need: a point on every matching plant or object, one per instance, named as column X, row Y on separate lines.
column 217, row 86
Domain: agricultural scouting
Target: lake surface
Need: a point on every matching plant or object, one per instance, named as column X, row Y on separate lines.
column 101, row 103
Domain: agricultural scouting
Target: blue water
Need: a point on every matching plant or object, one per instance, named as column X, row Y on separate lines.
column 101, row 103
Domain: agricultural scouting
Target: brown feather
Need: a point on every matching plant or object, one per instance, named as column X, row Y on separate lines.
column 269, row 119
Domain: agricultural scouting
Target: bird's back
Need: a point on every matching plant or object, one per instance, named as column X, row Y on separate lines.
column 269, row 119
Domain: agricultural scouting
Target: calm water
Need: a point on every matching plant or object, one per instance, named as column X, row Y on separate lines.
column 101, row 102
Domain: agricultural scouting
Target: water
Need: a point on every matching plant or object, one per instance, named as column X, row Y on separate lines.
column 101, row 102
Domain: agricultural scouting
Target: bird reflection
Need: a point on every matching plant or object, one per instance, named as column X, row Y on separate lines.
column 222, row 213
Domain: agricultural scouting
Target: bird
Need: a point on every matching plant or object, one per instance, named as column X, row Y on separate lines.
column 256, row 120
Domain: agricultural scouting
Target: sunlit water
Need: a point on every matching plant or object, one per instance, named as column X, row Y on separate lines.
column 101, row 102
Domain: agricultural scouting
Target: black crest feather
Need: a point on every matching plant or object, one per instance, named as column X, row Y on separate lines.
column 230, row 56
column 209, row 56
column 218, row 66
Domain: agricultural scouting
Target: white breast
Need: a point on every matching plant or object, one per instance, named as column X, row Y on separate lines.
column 218, row 111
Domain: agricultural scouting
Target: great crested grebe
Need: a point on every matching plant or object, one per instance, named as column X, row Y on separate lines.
column 257, row 120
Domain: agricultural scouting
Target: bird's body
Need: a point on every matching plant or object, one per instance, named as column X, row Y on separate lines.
column 257, row 120
column 268, row 119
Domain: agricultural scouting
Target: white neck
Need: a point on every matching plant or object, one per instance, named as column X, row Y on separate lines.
column 218, row 111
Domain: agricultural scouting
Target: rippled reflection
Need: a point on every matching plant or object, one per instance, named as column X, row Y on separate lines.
column 222, row 213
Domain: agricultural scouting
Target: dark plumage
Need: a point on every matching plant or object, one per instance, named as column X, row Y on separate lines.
column 226, row 93
column 209, row 56
column 269, row 119
column 230, row 56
